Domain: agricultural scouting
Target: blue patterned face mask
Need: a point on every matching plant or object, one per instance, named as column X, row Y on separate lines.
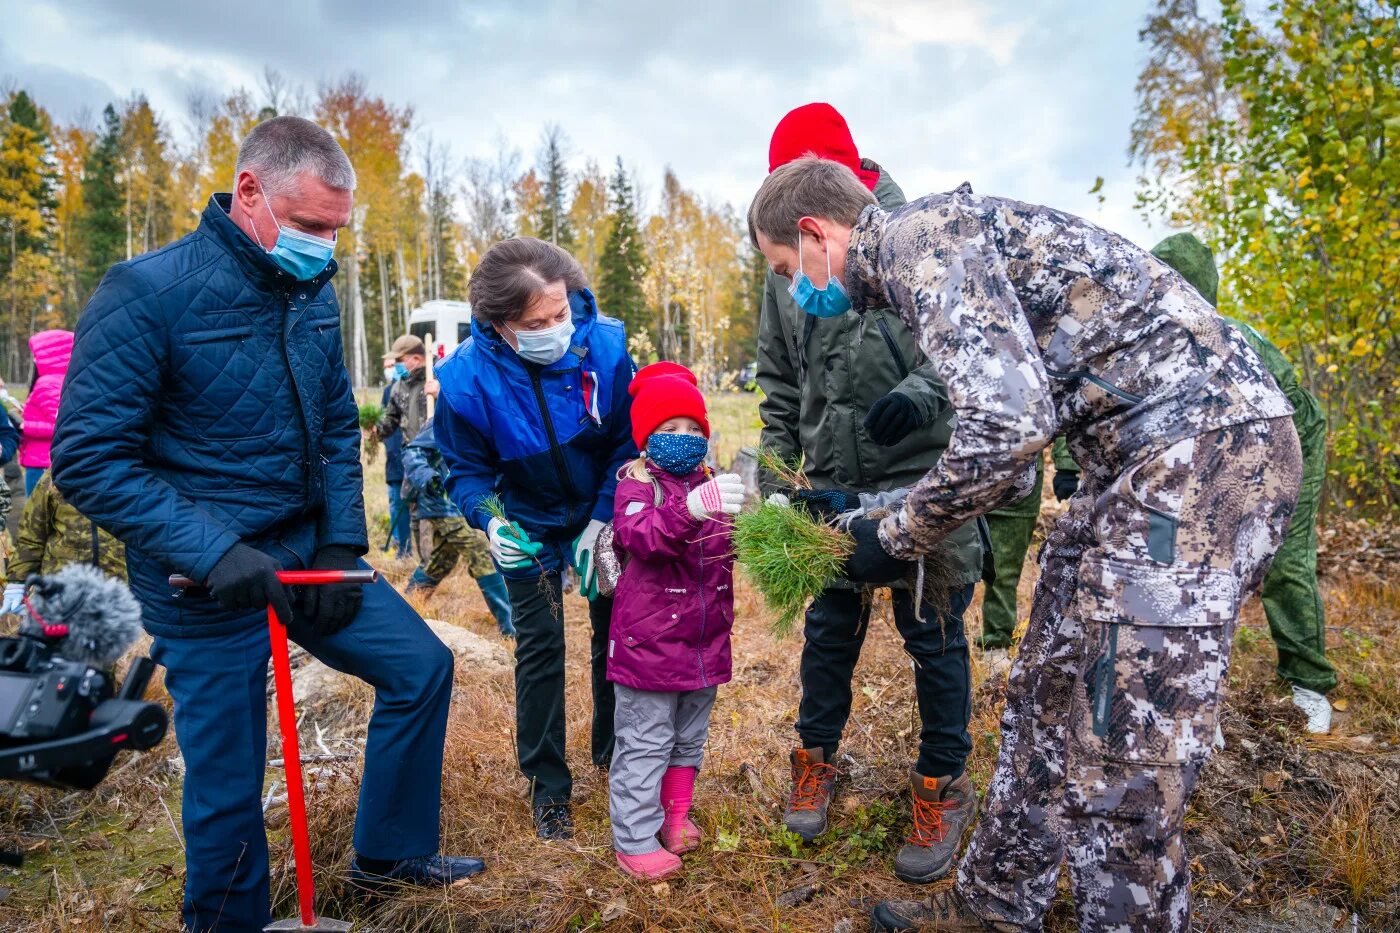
column 677, row 454
column 829, row 301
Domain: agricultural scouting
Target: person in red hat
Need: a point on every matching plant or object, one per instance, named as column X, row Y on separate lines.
column 672, row 613
column 856, row 402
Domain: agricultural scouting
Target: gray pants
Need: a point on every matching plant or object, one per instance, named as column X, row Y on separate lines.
column 655, row 731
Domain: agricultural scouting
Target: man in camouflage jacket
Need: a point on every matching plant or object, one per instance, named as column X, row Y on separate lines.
column 1042, row 324
column 52, row 535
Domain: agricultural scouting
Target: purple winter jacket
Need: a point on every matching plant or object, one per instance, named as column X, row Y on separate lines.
column 674, row 605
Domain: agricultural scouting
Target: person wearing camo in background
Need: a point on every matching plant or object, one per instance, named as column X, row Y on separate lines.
column 1042, row 324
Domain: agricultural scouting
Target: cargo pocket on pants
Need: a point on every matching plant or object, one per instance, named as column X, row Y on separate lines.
column 1153, row 686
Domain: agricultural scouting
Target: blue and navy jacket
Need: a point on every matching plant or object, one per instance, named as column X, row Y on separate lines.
column 393, row 447
column 548, row 440
column 423, row 463
column 207, row 404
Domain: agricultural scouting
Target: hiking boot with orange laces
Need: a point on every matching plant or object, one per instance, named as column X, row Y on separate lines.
column 944, row 910
column 813, row 781
column 942, row 809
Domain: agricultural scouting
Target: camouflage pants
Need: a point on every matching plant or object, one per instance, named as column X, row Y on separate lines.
column 453, row 538
column 1111, row 705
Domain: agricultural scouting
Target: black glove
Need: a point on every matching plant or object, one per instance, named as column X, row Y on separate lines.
column 329, row 607
column 1065, row 485
column 246, row 578
column 870, row 562
column 824, row 503
column 891, row 419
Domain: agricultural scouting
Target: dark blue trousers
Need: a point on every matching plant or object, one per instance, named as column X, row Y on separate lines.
column 219, row 687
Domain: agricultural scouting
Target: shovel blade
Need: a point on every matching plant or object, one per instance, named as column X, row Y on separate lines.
column 319, row 925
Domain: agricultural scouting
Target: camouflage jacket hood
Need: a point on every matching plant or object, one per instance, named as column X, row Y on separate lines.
column 1040, row 324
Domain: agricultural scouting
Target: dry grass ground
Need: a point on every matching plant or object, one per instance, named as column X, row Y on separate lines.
column 1286, row 832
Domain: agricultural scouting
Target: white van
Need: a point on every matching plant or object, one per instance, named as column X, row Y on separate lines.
column 450, row 323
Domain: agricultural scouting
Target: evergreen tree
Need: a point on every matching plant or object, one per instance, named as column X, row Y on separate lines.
column 552, row 221
column 623, row 264
column 102, row 226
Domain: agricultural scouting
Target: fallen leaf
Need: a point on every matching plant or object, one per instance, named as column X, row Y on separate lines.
column 661, row 889
column 1273, row 781
column 614, row 910
column 1339, row 704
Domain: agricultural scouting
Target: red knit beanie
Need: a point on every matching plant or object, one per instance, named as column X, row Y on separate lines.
column 663, row 391
column 819, row 130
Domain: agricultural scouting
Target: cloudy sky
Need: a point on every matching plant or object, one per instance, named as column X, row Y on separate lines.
column 1027, row 99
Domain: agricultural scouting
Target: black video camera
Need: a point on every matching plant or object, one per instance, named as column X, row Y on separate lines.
column 62, row 718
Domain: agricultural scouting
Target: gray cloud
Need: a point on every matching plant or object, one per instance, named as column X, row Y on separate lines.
column 1029, row 100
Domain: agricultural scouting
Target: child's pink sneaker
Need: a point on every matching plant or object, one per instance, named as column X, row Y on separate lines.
column 680, row 837
column 651, row 866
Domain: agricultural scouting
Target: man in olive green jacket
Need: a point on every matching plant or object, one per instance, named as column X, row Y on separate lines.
column 852, row 397
column 1292, row 602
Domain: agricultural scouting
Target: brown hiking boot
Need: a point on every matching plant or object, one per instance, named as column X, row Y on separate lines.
column 813, row 781
column 942, row 809
column 945, row 910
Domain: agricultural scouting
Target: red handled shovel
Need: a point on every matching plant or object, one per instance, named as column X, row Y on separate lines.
column 291, row 753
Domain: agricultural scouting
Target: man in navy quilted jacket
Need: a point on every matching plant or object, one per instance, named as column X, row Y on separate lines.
column 208, row 422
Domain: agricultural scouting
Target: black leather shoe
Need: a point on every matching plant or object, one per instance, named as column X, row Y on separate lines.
column 554, row 821
column 425, row 871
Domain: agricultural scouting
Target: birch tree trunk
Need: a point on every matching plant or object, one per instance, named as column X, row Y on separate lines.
column 384, row 298
column 403, row 288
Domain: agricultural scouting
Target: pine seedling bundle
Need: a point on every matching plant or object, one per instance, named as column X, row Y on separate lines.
column 788, row 554
column 370, row 415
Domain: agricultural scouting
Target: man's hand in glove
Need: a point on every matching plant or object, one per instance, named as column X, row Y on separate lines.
column 825, row 503
column 892, row 418
column 1065, row 485
column 246, row 578
column 329, row 607
column 870, row 562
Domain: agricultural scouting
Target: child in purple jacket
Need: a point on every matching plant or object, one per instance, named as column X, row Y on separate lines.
column 673, row 610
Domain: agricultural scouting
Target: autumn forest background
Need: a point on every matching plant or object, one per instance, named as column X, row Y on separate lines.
column 1270, row 132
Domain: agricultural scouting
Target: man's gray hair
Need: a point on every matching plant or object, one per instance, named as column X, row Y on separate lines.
column 805, row 187
column 280, row 149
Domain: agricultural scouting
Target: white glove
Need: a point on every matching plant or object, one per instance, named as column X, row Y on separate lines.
column 14, row 599
column 723, row 494
column 584, row 563
column 778, row 499
column 510, row 546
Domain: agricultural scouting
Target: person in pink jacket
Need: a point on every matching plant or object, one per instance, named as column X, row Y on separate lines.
column 51, row 349
column 672, row 614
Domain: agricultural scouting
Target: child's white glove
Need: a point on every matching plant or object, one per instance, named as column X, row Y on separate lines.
column 723, row 494
column 14, row 599
column 510, row 546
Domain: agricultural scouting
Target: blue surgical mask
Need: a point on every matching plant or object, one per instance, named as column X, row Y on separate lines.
column 544, row 346
column 302, row 255
column 677, row 454
column 400, row 370
column 831, row 301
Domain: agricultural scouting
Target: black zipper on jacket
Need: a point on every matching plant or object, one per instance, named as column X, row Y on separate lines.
column 555, row 451
column 894, row 347
column 296, row 393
